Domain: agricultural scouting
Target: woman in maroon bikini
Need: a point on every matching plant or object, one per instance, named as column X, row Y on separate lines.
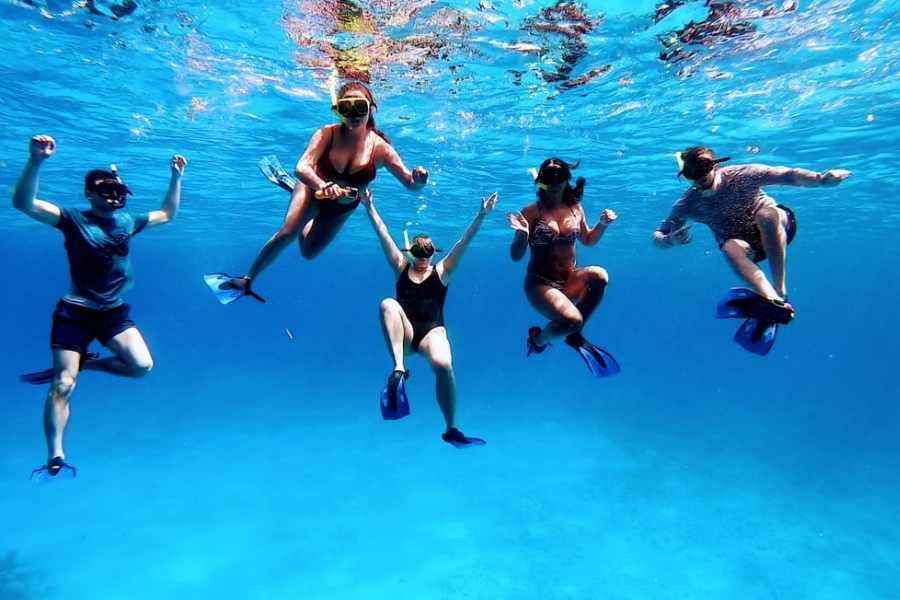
column 337, row 167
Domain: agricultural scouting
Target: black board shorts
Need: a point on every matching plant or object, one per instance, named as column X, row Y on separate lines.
column 75, row 327
column 752, row 236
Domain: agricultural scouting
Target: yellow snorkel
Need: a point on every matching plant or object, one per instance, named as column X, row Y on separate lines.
column 406, row 245
column 332, row 88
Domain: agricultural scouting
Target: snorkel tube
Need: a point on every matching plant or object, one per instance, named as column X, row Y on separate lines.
column 406, row 245
column 332, row 92
column 679, row 160
column 119, row 201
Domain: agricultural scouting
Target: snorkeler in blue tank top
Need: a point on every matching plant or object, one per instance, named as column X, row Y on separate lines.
column 97, row 243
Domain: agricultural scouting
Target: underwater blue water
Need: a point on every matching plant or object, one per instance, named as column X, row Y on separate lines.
column 252, row 465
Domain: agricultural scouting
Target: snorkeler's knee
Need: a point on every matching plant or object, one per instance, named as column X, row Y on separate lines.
column 143, row 366
column 598, row 275
column 288, row 232
column 63, row 385
column 572, row 322
column 442, row 364
column 733, row 248
column 389, row 306
column 768, row 216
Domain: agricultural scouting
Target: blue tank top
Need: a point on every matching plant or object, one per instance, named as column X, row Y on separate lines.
column 98, row 247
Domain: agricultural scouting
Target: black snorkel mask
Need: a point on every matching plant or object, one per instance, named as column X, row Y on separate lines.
column 422, row 251
column 108, row 186
column 553, row 173
column 696, row 169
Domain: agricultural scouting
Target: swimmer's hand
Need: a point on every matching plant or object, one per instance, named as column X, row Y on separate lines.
column 329, row 191
column 178, row 164
column 518, row 223
column 834, row 177
column 488, row 204
column 682, row 235
column 420, row 176
column 367, row 199
column 41, row 148
column 608, row 216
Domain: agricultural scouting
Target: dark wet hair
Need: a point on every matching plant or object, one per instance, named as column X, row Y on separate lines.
column 356, row 86
column 571, row 195
column 699, row 161
column 95, row 175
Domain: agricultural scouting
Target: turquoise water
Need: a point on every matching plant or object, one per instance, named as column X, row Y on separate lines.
column 252, row 465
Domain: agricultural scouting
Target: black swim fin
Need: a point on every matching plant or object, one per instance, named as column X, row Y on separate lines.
column 599, row 362
column 532, row 347
column 756, row 336
column 226, row 291
column 393, row 400
column 57, row 468
column 743, row 303
column 46, row 376
column 274, row 172
column 455, row 437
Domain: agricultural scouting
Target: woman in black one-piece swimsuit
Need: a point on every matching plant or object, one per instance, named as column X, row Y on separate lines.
column 414, row 321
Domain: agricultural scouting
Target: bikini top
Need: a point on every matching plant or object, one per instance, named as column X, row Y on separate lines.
column 544, row 235
column 360, row 178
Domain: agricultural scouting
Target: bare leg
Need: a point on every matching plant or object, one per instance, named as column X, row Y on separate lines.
column 586, row 288
column 398, row 331
column 56, row 407
column 297, row 214
column 319, row 232
column 771, row 223
column 436, row 348
column 565, row 318
column 132, row 356
column 736, row 254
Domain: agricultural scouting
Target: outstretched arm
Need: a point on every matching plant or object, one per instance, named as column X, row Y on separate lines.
column 391, row 251
column 412, row 180
column 451, row 261
column 172, row 201
column 40, row 149
column 800, row 177
column 590, row 236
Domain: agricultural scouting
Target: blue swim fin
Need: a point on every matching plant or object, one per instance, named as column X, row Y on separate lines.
column 54, row 470
column 225, row 290
column 742, row 303
column 455, row 437
column 756, row 336
column 394, row 402
column 599, row 362
column 274, row 172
